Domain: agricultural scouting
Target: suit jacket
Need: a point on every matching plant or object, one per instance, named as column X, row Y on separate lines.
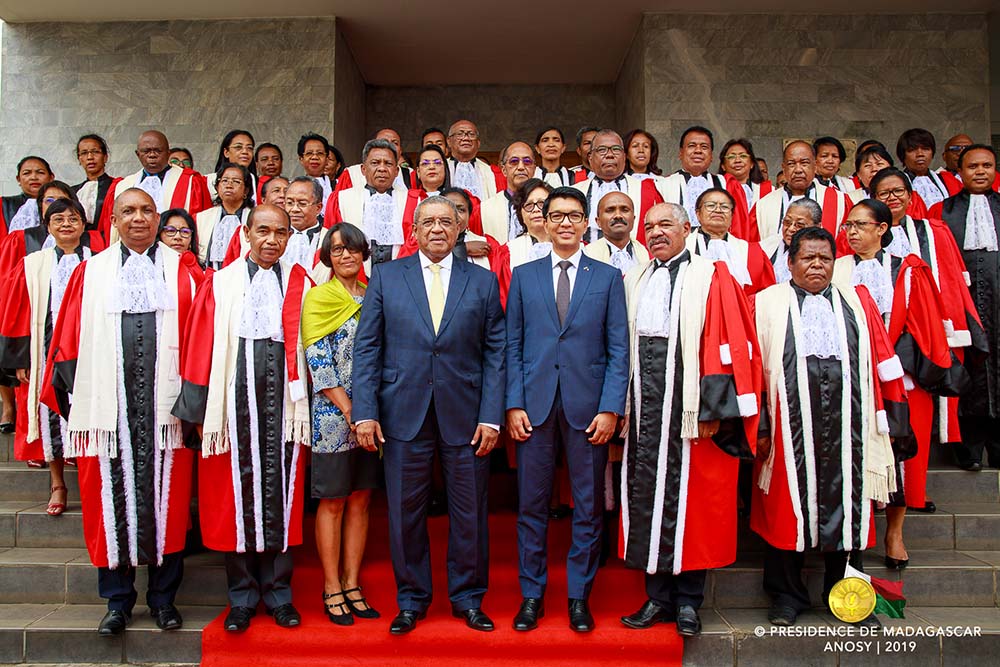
column 586, row 359
column 400, row 364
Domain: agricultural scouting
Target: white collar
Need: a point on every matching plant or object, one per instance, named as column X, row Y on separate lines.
column 445, row 263
column 574, row 260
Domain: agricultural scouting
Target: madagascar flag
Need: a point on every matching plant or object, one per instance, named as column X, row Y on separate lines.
column 889, row 600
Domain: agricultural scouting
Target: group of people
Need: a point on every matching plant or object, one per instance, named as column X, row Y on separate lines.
column 679, row 349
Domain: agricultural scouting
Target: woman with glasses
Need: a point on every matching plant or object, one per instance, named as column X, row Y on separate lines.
column 744, row 180
column 432, row 176
column 217, row 225
column 641, row 154
column 32, row 294
column 178, row 230
column 533, row 243
column 181, row 157
column 92, row 153
column 237, row 147
column 908, row 302
column 746, row 261
column 343, row 473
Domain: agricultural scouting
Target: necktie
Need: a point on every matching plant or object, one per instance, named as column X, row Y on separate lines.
column 436, row 298
column 562, row 290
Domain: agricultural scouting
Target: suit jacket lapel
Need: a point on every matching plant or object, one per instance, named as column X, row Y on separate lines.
column 415, row 281
column 544, row 272
column 580, row 287
column 456, row 287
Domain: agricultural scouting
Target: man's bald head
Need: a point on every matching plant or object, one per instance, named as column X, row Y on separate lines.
column 267, row 230
column 152, row 149
column 463, row 140
column 135, row 217
column 953, row 148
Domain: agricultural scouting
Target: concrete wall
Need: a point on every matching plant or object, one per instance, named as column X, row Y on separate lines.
column 349, row 110
column 194, row 80
column 502, row 113
column 630, row 88
column 769, row 77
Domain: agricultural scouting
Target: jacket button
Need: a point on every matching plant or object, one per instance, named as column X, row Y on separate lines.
column 430, row 382
column 557, row 366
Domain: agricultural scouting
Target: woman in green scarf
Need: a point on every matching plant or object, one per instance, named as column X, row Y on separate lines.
column 343, row 474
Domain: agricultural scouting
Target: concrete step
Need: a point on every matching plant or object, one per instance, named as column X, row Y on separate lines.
column 953, row 485
column 25, row 524
column 6, row 447
column 19, row 482
column 66, row 575
column 61, row 634
column 743, row 637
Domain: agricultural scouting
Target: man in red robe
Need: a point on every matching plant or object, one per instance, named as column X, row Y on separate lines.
column 169, row 186
column 693, row 402
column 243, row 391
column 112, row 373
column 468, row 171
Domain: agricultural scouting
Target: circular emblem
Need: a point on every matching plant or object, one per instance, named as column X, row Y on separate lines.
column 852, row 599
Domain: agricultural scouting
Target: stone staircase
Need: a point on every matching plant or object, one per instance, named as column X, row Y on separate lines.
column 49, row 607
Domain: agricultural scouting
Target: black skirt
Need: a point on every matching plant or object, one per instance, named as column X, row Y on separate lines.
column 341, row 474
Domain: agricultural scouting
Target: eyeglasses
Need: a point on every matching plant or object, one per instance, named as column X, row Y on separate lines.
column 298, row 203
column 174, row 231
column 90, row 152
column 338, row 250
column 150, row 151
column 615, row 150
column 49, row 200
column 181, row 163
column 239, row 148
column 429, row 223
column 795, row 224
column 437, row 162
column 465, row 134
column 713, row 206
column 733, row 157
column 533, row 205
column 885, row 195
column 230, row 181
column 515, row 161
column 858, row 225
column 310, row 154
column 558, row 217
column 953, row 149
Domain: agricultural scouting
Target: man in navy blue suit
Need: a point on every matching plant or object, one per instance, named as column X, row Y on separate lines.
column 567, row 377
column 429, row 377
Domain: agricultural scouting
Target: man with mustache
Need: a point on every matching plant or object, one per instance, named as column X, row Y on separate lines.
column 616, row 218
column 498, row 214
column 694, row 392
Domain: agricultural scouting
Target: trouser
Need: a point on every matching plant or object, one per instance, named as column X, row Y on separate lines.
column 672, row 591
column 254, row 576
column 978, row 434
column 117, row 586
column 783, row 575
column 408, row 474
column 536, row 462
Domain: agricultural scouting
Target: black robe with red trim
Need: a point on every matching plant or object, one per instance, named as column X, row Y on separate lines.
column 9, row 206
column 136, row 505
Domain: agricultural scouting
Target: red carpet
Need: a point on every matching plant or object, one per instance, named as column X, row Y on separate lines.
column 441, row 640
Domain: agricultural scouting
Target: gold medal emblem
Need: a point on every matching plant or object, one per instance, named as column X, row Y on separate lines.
column 852, row 599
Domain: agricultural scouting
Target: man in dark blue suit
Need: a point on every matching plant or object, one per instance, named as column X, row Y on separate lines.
column 429, row 377
column 567, row 377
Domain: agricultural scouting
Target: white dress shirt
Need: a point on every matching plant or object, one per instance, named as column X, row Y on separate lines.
column 571, row 271
column 425, row 271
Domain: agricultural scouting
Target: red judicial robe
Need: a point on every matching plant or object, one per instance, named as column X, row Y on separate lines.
column 251, row 481
column 679, row 506
column 136, row 503
column 741, row 227
column 830, row 459
column 182, row 188
column 751, row 267
column 766, row 215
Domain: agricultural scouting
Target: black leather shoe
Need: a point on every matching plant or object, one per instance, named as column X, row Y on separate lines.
column 782, row 615
column 972, row 466
column 475, row 619
column 167, row 617
column 688, row 623
column 238, row 619
column 928, row 508
column 114, row 623
column 405, row 621
column 580, row 619
column 527, row 617
column 649, row 614
column 286, row 615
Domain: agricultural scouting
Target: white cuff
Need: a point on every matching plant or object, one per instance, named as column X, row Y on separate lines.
column 725, row 355
column 297, row 390
column 883, row 421
column 747, row 404
column 960, row 339
column 968, row 279
column 495, row 427
column 908, row 384
column 890, row 369
column 949, row 328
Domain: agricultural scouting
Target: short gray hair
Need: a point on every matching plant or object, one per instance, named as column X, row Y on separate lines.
column 679, row 211
column 436, row 199
column 372, row 144
column 815, row 212
column 317, row 189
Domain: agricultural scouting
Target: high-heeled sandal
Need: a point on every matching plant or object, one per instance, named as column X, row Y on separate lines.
column 343, row 618
column 55, row 509
column 368, row 612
